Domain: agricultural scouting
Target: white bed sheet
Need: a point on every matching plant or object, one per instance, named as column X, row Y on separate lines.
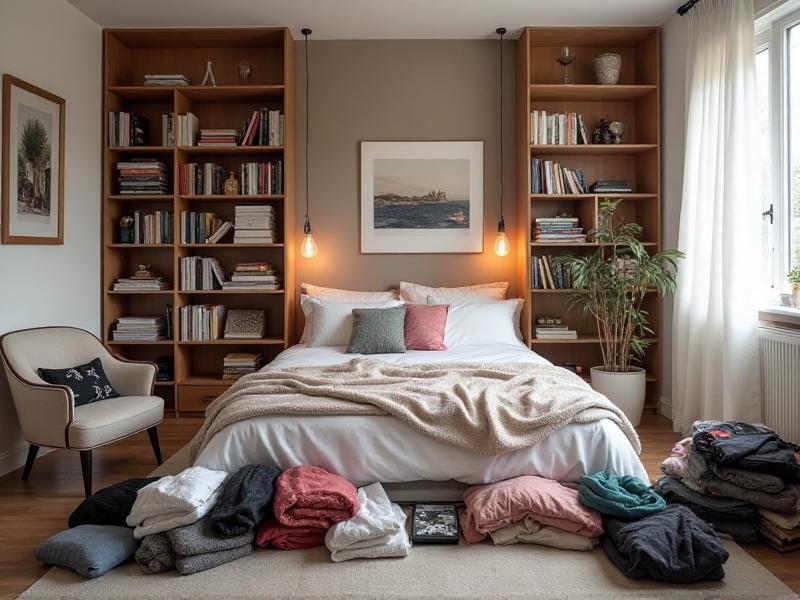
column 365, row 449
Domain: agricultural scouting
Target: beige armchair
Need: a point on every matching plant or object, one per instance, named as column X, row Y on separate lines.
column 47, row 413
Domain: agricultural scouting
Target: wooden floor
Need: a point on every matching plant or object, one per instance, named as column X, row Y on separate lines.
column 33, row 510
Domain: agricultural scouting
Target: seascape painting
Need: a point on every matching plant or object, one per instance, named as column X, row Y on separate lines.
column 415, row 193
column 420, row 197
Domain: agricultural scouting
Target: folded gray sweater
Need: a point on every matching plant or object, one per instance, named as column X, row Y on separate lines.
column 187, row 565
column 200, row 538
column 155, row 555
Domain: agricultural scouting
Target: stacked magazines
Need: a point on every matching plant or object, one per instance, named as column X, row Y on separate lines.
column 140, row 284
column 255, row 224
column 143, row 176
column 238, row 364
column 558, row 230
column 169, row 80
column 140, row 329
column 551, row 328
column 253, row 276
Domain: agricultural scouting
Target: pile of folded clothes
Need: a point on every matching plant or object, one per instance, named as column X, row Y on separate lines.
column 530, row 509
column 781, row 531
column 728, row 471
column 308, row 501
column 378, row 530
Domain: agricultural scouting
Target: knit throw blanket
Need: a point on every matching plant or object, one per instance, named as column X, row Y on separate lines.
column 486, row 409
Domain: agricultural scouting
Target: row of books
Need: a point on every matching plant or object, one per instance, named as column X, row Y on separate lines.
column 562, row 229
column 167, row 79
column 255, row 224
column 127, row 129
column 261, row 178
column 201, row 178
column 253, row 276
column 202, row 227
column 551, row 328
column 265, row 127
column 142, row 176
column 139, row 329
column 548, row 177
column 561, row 128
column 152, row 227
column 201, row 273
column 546, row 275
column 238, row 364
column 204, row 322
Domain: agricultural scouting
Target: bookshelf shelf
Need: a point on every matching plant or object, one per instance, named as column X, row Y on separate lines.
column 565, row 291
column 129, row 54
column 635, row 101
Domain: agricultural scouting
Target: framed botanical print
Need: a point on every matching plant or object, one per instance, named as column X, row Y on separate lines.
column 33, row 164
column 421, row 197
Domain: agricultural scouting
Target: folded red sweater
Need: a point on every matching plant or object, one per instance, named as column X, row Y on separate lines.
column 308, row 496
column 272, row 534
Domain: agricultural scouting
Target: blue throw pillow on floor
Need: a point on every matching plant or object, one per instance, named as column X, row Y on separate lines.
column 89, row 550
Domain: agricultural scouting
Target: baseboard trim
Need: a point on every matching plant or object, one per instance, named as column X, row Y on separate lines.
column 13, row 459
column 665, row 407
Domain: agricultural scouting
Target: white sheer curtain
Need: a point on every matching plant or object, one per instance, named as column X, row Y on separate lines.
column 715, row 347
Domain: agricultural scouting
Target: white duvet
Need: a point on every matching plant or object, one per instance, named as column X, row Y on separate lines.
column 366, row 449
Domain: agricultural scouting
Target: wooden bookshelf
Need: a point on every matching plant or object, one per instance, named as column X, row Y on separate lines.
column 128, row 54
column 635, row 101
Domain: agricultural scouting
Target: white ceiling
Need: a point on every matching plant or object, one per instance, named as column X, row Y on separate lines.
column 378, row 19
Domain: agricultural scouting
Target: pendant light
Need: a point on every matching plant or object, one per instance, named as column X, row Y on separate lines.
column 308, row 248
column 501, row 245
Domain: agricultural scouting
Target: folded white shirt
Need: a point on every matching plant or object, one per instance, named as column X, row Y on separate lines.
column 376, row 531
column 529, row 531
column 175, row 500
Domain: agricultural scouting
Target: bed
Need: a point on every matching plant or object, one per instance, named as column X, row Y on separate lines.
column 365, row 449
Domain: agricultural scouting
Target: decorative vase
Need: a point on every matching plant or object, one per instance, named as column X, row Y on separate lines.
column 607, row 67
column 796, row 295
column 231, row 185
column 617, row 129
column 626, row 390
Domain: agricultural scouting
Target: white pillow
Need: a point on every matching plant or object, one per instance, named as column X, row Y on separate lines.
column 471, row 324
column 487, row 300
column 418, row 294
column 330, row 323
column 337, row 295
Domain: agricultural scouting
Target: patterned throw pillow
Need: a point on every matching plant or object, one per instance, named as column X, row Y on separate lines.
column 377, row 331
column 88, row 382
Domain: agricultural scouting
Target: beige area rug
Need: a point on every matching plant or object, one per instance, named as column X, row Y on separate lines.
column 479, row 571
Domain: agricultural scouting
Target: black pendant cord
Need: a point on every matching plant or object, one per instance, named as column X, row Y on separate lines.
column 307, row 225
column 502, row 225
column 685, row 8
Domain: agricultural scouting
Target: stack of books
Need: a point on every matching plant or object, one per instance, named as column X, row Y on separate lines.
column 152, row 228
column 201, row 273
column 140, row 284
column 255, row 224
column 611, row 186
column 245, row 325
column 201, row 179
column 140, row 329
column 264, row 128
column 546, row 275
column 167, row 80
column 551, row 328
column 202, row 322
column 548, row 177
column 563, row 128
column 142, row 176
column 127, row 129
column 262, row 178
column 238, row 364
column 217, row 137
column 253, row 276
column 202, row 227
column 558, row 230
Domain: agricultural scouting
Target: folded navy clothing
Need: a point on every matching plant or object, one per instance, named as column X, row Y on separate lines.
column 244, row 500
column 735, row 518
column 673, row 545
column 89, row 550
column 109, row 506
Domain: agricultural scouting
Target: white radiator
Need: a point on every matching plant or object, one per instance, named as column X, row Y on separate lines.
column 779, row 351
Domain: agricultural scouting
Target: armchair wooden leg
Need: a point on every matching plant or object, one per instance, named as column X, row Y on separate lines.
column 33, row 450
column 153, row 433
column 86, row 467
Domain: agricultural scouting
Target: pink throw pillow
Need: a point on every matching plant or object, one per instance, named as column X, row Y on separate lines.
column 425, row 325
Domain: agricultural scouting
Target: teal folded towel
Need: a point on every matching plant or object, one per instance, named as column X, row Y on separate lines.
column 623, row 497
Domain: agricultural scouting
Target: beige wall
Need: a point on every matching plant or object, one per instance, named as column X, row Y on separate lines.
column 393, row 91
column 49, row 43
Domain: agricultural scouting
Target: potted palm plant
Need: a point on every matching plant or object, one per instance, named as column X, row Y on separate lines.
column 611, row 284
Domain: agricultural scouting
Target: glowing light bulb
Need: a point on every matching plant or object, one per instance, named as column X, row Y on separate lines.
column 309, row 247
column 501, row 245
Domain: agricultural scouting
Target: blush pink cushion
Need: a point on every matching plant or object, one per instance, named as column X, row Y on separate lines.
column 425, row 325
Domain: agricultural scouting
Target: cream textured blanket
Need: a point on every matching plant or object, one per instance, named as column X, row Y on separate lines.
column 482, row 408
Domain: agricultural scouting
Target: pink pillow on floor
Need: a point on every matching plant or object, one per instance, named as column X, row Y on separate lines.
column 425, row 325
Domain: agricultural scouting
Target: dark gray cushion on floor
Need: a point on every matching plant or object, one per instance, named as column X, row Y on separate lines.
column 89, row 550
column 111, row 505
column 378, row 331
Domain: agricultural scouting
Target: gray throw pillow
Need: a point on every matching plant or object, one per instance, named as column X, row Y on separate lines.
column 89, row 550
column 378, row 331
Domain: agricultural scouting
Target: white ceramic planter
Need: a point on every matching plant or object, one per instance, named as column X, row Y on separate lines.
column 626, row 390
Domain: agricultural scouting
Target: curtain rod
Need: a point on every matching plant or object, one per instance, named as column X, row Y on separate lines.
column 683, row 9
